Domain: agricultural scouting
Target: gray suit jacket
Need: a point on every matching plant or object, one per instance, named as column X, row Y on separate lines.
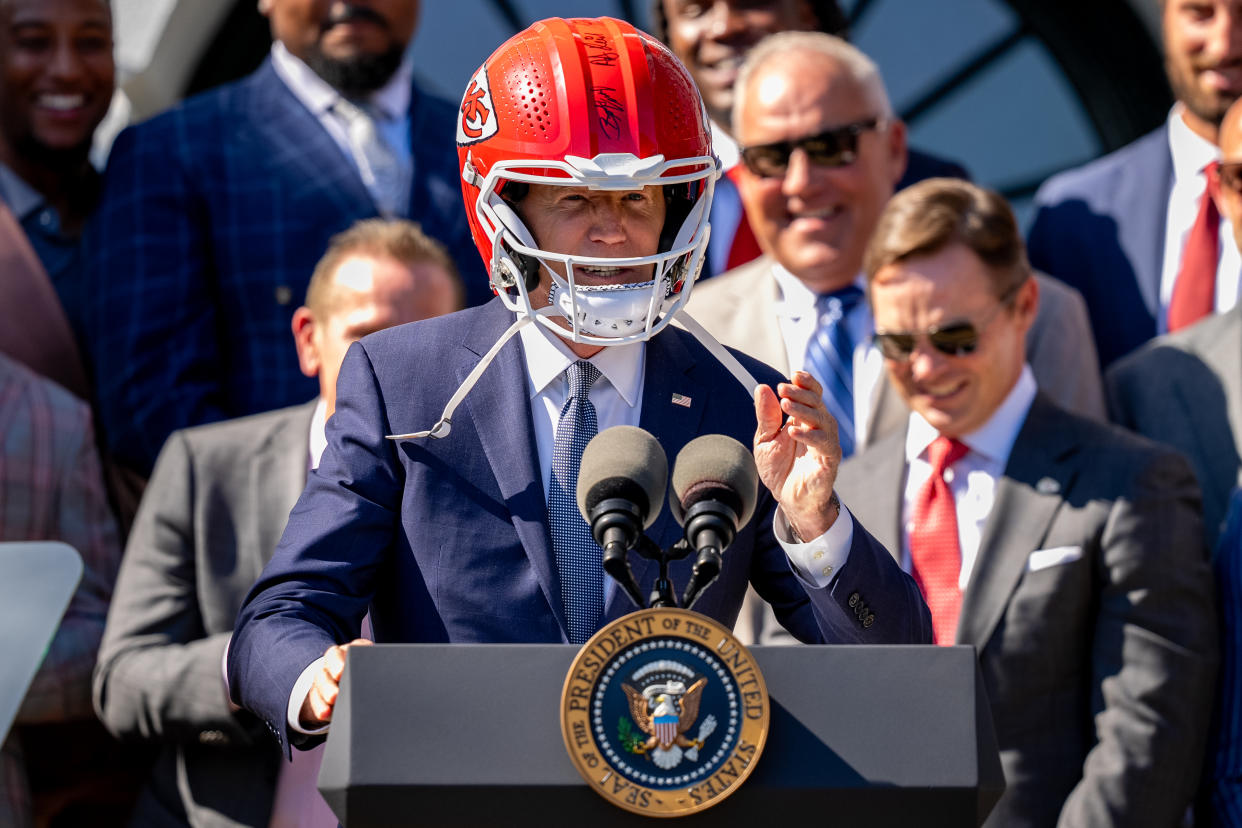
column 739, row 309
column 1185, row 390
column 1099, row 668
column 213, row 513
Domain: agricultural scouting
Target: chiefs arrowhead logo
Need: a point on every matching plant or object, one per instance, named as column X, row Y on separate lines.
column 478, row 118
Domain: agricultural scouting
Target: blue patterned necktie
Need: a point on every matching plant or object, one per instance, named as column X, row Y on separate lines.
column 830, row 357
column 578, row 556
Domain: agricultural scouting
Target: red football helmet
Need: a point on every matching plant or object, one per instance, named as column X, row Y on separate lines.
column 587, row 103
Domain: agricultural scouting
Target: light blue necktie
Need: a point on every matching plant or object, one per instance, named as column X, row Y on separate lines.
column 830, row 357
column 578, row 556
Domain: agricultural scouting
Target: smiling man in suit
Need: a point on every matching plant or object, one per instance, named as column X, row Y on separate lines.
column 1067, row 552
column 218, row 501
column 594, row 227
column 214, row 213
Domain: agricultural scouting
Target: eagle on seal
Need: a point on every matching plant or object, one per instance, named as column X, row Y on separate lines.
column 665, row 713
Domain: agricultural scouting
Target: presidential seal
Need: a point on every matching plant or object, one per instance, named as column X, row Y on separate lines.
column 664, row 712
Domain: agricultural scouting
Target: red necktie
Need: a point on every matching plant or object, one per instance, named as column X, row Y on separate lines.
column 744, row 247
column 934, row 550
column 1194, row 292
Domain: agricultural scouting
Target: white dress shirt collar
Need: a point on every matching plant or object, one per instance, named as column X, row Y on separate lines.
column 547, row 357
column 995, row 438
column 392, row 100
column 725, row 147
column 1191, row 152
column 796, row 299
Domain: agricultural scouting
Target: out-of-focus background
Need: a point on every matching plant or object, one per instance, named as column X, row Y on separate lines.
column 1014, row 89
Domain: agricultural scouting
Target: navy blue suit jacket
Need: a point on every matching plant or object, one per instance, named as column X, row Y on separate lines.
column 448, row 541
column 1100, row 228
column 212, row 219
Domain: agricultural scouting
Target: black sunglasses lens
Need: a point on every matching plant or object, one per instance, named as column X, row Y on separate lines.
column 894, row 345
column 955, row 340
column 768, row 161
column 832, row 149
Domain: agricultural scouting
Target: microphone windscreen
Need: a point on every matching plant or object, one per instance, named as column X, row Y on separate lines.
column 718, row 467
column 624, row 462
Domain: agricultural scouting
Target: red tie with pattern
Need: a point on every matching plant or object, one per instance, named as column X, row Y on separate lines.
column 745, row 246
column 935, row 554
column 1194, row 292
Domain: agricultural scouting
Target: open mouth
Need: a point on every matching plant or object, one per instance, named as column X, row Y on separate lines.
column 61, row 102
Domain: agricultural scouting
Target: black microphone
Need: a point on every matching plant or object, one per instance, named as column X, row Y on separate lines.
column 715, row 489
column 621, row 484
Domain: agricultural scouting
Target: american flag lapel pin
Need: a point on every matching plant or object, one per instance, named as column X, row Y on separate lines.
column 681, row 399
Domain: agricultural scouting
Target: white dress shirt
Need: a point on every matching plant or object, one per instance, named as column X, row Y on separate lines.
column 1191, row 154
column 617, row 397
column 798, row 320
column 390, row 104
column 972, row 479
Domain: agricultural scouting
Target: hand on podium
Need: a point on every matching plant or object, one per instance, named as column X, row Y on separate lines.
column 317, row 708
column 798, row 460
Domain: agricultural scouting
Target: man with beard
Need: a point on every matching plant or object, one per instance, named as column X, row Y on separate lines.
column 56, row 79
column 1138, row 231
column 213, row 215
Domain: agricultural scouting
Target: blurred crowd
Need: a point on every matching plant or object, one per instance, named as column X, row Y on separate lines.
column 1043, row 431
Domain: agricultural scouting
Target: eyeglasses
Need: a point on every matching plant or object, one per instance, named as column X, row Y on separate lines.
column 954, row 339
column 836, row 147
column 1230, row 174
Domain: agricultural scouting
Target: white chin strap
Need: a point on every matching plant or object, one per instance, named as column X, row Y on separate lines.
column 444, row 425
column 611, row 311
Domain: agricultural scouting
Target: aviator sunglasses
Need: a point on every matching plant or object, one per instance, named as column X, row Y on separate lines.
column 954, row 339
column 836, row 147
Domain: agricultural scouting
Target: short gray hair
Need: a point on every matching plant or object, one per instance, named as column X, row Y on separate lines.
column 857, row 65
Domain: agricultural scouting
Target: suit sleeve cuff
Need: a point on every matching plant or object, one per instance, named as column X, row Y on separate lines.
column 817, row 562
column 301, row 689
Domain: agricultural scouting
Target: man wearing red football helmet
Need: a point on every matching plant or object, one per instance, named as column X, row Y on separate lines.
column 587, row 172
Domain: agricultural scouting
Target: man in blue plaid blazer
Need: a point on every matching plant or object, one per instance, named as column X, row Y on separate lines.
column 214, row 214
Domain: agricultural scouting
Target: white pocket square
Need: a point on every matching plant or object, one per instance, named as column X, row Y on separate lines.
column 1044, row 558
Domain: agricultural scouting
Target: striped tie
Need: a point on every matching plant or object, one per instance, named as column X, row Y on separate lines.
column 830, row 357
column 578, row 556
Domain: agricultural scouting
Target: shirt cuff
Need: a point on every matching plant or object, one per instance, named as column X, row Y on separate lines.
column 817, row 562
column 301, row 689
column 224, row 677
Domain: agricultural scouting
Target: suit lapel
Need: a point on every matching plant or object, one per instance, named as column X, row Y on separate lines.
column 889, row 412
column 499, row 407
column 872, row 485
column 1041, row 469
column 1143, row 230
column 320, row 173
column 277, row 478
column 760, row 324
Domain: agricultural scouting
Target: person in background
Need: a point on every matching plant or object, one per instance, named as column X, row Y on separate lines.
column 712, row 39
column 821, row 154
column 214, row 213
column 1138, row 232
column 211, row 518
column 51, row 488
column 57, row 76
column 1067, row 552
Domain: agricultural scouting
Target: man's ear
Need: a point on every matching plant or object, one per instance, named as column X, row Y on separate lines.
column 897, row 149
column 304, row 329
column 1026, row 302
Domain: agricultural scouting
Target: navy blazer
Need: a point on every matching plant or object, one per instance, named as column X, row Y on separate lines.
column 212, row 219
column 447, row 540
column 1100, row 228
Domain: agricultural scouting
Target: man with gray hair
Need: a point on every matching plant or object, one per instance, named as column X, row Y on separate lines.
column 822, row 152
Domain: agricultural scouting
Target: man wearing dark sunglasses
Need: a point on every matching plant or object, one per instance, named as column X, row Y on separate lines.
column 822, row 154
column 1067, row 552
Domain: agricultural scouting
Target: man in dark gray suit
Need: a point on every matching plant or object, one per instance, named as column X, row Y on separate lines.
column 212, row 515
column 1069, row 553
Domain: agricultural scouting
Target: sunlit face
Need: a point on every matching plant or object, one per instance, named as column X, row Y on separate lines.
column 955, row 394
column 56, row 73
column 1230, row 200
column 598, row 223
column 816, row 221
column 711, row 37
column 369, row 294
column 1203, row 55
column 356, row 43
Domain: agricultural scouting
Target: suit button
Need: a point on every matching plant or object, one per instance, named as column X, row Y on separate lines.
column 212, row 737
column 854, row 599
column 868, row 621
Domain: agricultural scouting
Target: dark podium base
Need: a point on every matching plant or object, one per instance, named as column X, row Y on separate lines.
column 470, row 735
